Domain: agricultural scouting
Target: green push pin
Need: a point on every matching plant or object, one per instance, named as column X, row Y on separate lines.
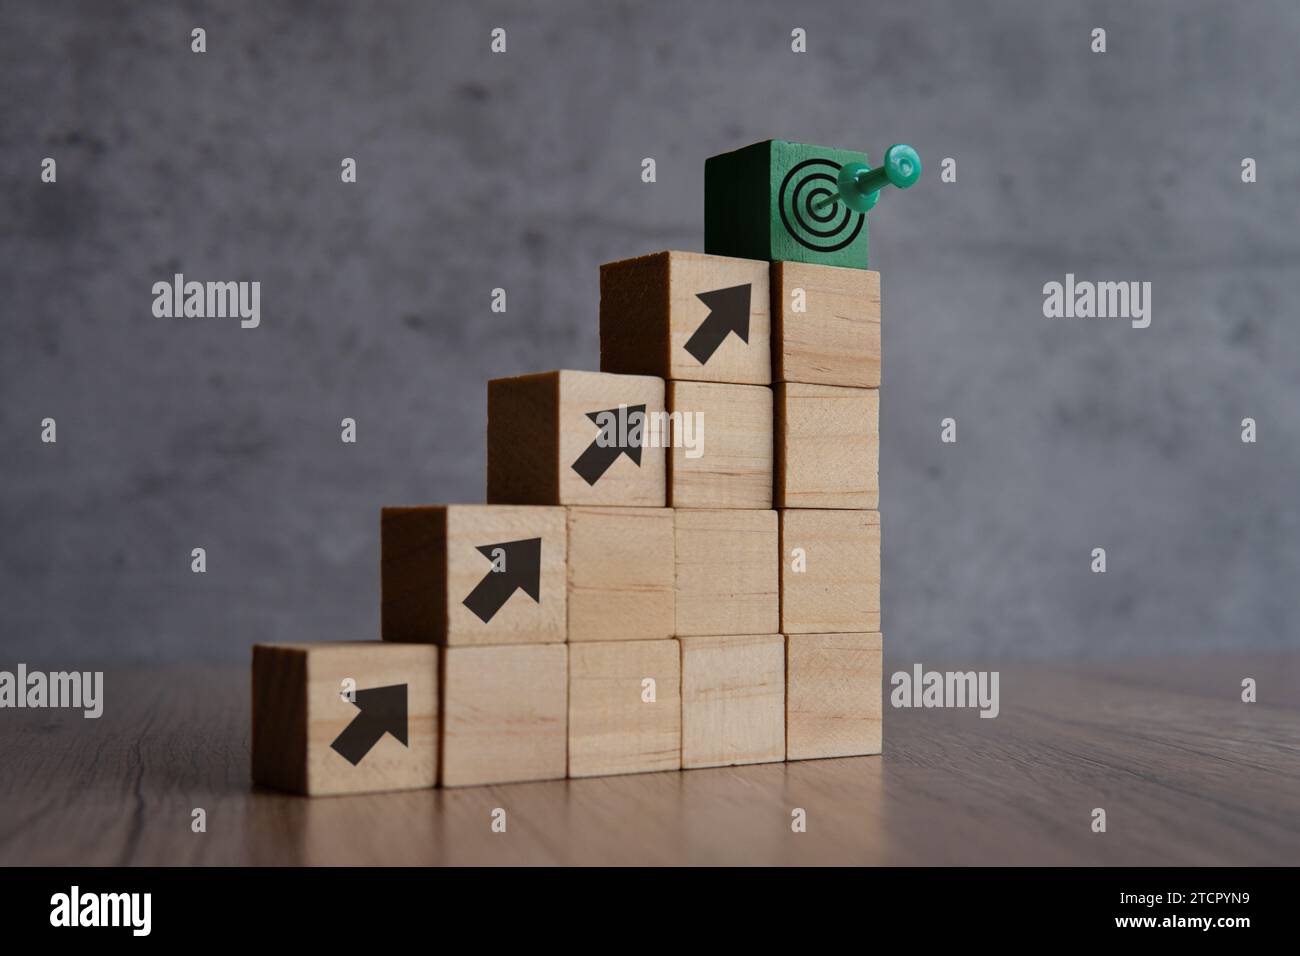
column 859, row 185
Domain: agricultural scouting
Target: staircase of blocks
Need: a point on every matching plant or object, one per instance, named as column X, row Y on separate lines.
column 678, row 562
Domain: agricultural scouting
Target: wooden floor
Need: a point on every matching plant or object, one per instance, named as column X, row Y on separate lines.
column 1187, row 774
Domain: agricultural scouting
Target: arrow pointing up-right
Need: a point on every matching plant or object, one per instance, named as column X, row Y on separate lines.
column 596, row 458
column 522, row 571
column 383, row 711
column 728, row 312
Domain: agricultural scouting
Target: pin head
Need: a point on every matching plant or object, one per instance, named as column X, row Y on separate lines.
column 859, row 185
column 902, row 165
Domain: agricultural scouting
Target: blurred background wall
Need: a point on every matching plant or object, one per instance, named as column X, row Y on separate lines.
column 522, row 171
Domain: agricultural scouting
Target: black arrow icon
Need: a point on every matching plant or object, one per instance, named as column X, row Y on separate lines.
column 596, row 458
column 522, row 568
column 383, row 711
column 728, row 312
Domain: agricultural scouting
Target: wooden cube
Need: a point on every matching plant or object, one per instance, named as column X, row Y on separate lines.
column 827, row 446
column 621, row 574
column 727, row 572
column 830, row 571
column 473, row 574
column 733, row 700
column 724, row 458
column 833, row 695
column 825, row 325
column 683, row 315
column 345, row 717
column 624, row 707
column 504, row 713
column 765, row 201
column 576, row 438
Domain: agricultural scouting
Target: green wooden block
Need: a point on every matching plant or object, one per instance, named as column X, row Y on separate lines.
column 762, row 202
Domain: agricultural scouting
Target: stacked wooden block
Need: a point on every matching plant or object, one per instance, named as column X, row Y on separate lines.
column 678, row 564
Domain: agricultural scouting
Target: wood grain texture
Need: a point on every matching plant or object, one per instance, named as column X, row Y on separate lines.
column 835, row 340
column 430, row 563
column 523, row 440
column 650, row 308
column 833, row 695
column 299, row 710
column 838, row 589
column 733, row 700
column 1190, row 776
column 538, row 426
column 279, row 678
column 504, row 713
column 733, row 467
column 827, row 446
column 621, row 574
column 727, row 572
column 613, row 727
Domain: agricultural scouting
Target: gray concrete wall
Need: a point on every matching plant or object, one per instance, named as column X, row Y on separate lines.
column 522, row 171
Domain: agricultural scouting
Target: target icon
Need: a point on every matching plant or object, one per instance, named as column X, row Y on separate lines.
column 811, row 209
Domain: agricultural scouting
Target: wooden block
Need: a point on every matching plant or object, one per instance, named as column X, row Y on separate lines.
column 473, row 574
column 576, row 438
column 827, row 447
column 617, row 722
column 765, row 202
column 727, row 572
column 683, row 315
column 309, row 738
column 830, row 571
column 833, row 695
column 835, row 339
column 733, row 700
column 725, row 457
column 621, row 574
column 504, row 713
